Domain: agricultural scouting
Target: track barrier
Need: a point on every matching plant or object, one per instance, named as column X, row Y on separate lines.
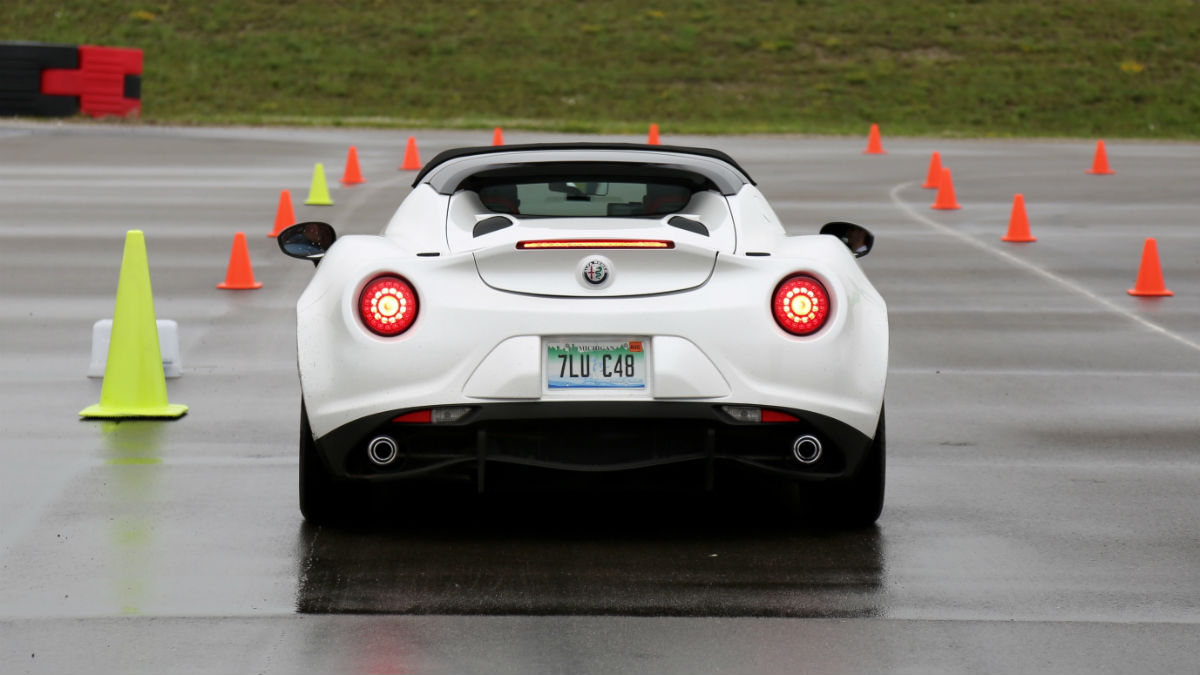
column 53, row 80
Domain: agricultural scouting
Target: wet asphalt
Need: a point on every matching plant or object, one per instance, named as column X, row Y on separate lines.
column 1043, row 503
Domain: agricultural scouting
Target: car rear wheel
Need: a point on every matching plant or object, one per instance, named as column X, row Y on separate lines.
column 856, row 501
column 323, row 500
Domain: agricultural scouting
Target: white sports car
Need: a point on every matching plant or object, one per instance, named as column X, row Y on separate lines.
column 589, row 307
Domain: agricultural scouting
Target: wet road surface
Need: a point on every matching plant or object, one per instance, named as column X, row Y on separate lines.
column 1044, row 467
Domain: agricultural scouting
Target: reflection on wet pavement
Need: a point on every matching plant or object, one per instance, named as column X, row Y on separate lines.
column 133, row 450
column 588, row 554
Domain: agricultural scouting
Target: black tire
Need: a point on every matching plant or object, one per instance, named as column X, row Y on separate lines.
column 21, row 66
column 855, row 502
column 323, row 500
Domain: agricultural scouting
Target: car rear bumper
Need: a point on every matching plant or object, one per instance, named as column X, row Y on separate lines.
column 475, row 345
column 593, row 436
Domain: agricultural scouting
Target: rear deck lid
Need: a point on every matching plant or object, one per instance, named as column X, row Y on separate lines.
column 581, row 261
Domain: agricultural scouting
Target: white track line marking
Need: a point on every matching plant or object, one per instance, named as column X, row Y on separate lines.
column 1027, row 372
column 1109, row 305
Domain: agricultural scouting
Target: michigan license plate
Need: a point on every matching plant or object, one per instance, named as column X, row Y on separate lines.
column 596, row 364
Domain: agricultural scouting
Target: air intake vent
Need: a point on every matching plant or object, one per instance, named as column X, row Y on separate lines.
column 689, row 225
column 490, row 225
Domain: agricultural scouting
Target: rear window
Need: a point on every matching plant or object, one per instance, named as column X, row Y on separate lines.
column 585, row 196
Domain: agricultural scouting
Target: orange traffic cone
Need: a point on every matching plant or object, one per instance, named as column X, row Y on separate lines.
column 284, row 215
column 934, row 175
column 652, row 139
column 1018, row 223
column 412, row 160
column 239, row 276
column 497, row 136
column 874, row 146
column 945, row 195
column 352, row 175
column 1100, row 162
column 1150, row 276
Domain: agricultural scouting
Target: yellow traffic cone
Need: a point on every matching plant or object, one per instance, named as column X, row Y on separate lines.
column 318, row 192
column 134, row 384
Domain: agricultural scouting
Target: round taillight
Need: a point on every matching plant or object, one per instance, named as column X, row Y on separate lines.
column 388, row 306
column 800, row 305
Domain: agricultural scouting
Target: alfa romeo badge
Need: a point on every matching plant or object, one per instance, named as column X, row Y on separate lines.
column 595, row 271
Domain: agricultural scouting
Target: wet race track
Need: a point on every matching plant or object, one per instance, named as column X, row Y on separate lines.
column 1043, row 502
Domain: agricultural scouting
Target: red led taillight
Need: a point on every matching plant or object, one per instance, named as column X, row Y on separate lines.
column 777, row 416
column 415, row 417
column 560, row 244
column 800, row 305
column 387, row 306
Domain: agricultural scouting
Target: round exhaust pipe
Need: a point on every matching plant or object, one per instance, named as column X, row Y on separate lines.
column 806, row 449
column 382, row 450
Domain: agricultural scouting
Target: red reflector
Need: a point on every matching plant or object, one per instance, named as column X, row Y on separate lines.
column 776, row 416
column 415, row 417
column 800, row 305
column 543, row 244
column 388, row 306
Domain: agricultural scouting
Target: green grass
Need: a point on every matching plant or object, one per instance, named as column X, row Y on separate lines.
column 1085, row 68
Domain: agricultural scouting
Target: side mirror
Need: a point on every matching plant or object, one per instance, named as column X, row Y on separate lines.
column 856, row 237
column 307, row 241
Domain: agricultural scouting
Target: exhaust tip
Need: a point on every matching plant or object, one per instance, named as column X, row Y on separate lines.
column 806, row 449
column 382, row 450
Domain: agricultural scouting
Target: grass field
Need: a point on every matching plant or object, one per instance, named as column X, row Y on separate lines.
column 973, row 68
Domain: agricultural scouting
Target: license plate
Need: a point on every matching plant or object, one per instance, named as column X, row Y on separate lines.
column 596, row 364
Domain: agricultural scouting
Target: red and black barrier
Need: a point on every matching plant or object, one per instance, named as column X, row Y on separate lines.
column 47, row 80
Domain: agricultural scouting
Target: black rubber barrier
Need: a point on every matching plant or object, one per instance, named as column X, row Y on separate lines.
column 21, row 66
column 132, row 86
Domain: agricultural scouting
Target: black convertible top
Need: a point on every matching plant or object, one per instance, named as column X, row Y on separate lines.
column 455, row 153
